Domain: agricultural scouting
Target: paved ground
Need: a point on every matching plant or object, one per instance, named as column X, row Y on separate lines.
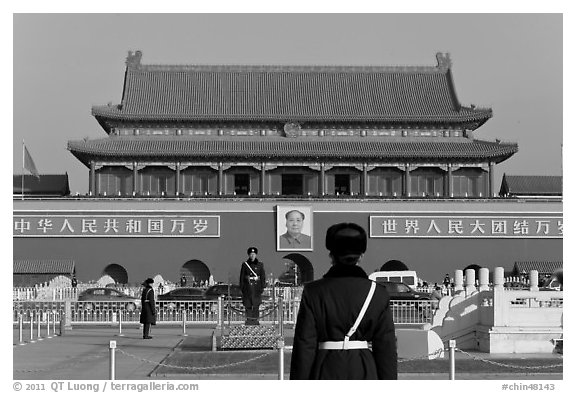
column 84, row 354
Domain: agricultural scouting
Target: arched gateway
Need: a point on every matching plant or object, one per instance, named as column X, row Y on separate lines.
column 117, row 272
column 299, row 270
column 195, row 271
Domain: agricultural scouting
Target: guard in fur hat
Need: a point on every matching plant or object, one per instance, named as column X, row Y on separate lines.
column 252, row 283
column 148, row 313
column 344, row 328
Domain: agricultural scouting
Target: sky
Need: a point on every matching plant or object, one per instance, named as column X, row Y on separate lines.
column 63, row 64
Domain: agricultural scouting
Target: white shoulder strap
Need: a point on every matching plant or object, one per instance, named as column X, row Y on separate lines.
column 362, row 312
column 253, row 272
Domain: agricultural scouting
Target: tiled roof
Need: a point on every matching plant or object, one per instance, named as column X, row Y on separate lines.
column 43, row 266
column 291, row 93
column 545, row 267
column 280, row 148
column 42, row 185
column 531, row 185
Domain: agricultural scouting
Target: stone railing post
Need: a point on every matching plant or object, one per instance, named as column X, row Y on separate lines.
column 499, row 301
column 470, row 281
column 458, row 280
column 499, row 278
column 534, row 280
column 483, row 278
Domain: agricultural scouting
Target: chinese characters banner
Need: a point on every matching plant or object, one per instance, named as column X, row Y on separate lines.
column 116, row 226
column 466, row 227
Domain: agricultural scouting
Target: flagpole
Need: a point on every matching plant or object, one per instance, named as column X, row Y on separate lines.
column 22, row 190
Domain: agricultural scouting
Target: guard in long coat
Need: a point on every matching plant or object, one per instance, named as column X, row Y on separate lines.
column 148, row 313
column 252, row 283
column 330, row 307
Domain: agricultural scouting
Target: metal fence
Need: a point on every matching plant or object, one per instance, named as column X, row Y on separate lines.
column 194, row 312
column 70, row 293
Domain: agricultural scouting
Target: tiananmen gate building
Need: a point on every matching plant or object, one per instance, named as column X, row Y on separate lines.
column 200, row 162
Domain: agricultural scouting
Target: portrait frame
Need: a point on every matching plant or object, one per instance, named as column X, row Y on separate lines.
column 307, row 230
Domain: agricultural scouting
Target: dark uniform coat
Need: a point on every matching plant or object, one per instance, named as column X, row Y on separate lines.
column 148, row 313
column 328, row 309
column 251, row 287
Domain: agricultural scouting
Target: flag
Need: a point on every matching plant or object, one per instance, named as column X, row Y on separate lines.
column 29, row 164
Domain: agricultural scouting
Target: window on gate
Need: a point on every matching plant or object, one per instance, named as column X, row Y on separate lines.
column 429, row 186
column 241, row 183
column 342, row 184
column 292, row 184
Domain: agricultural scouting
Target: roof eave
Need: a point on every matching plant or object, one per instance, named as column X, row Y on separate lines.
column 103, row 118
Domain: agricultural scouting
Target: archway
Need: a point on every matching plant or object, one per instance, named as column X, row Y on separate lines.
column 476, row 269
column 117, row 272
column 195, row 271
column 394, row 265
column 298, row 271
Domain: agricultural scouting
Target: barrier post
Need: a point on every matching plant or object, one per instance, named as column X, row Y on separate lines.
column 38, row 326
column 214, row 346
column 48, row 325
column 274, row 302
column 296, row 306
column 112, row 360
column 20, row 329
column 68, row 314
column 281, row 314
column 220, row 311
column 452, row 346
column 120, row 324
column 184, row 323
column 280, row 358
column 62, row 323
column 32, row 327
column 54, row 322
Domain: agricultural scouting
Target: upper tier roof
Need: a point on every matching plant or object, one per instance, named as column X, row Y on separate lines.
column 290, row 93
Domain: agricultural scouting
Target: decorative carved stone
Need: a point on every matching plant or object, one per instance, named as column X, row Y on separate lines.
column 444, row 60
column 133, row 59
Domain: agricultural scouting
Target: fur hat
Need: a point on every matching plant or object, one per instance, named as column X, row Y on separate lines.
column 148, row 281
column 252, row 250
column 346, row 239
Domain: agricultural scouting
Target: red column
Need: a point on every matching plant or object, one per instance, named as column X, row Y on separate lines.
column 92, row 178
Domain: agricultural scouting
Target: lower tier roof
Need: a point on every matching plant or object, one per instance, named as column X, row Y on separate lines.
column 285, row 149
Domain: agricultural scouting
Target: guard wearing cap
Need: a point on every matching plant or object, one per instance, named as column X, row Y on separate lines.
column 344, row 328
column 148, row 313
column 252, row 283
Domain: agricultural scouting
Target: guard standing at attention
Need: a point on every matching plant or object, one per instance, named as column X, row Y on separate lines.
column 252, row 283
column 148, row 313
column 342, row 313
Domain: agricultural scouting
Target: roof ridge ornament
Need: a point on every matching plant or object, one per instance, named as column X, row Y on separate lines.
column 133, row 59
column 444, row 60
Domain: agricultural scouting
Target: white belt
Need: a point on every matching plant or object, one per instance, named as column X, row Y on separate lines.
column 345, row 345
